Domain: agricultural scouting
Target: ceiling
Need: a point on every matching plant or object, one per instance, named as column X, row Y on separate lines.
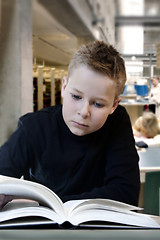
column 148, row 18
column 58, row 30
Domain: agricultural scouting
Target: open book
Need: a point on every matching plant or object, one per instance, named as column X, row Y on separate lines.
column 36, row 204
column 151, row 142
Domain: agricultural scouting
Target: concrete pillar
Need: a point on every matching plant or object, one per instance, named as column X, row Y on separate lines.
column 16, row 82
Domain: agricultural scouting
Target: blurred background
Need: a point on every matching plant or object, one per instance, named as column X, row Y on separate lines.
column 39, row 37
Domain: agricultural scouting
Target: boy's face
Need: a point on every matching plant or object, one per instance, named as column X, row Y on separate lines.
column 88, row 99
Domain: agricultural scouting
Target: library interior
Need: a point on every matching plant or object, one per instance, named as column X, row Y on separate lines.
column 37, row 41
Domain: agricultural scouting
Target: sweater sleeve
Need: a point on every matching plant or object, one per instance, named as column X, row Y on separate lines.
column 122, row 180
column 14, row 154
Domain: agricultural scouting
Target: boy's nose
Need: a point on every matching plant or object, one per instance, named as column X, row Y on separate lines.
column 84, row 111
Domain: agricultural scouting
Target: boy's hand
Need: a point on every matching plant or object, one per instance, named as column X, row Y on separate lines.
column 4, row 199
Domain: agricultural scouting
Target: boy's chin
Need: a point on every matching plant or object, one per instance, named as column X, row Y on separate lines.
column 78, row 132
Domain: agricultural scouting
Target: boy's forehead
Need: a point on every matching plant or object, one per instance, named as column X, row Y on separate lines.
column 84, row 71
column 94, row 83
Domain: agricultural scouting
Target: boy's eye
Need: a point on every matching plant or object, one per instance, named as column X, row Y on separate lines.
column 98, row 105
column 76, row 97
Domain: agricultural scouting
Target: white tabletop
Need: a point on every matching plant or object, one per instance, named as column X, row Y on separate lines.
column 149, row 160
column 79, row 234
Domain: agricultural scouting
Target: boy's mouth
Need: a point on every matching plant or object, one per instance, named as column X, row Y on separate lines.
column 80, row 124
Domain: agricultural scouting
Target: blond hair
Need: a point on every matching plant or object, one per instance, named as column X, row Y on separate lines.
column 102, row 58
column 150, row 125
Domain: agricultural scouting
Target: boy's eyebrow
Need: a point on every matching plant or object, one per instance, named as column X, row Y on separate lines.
column 97, row 98
column 77, row 90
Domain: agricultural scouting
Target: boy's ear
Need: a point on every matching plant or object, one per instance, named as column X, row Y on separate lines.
column 64, row 84
column 115, row 104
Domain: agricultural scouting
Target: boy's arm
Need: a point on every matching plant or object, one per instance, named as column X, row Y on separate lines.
column 14, row 154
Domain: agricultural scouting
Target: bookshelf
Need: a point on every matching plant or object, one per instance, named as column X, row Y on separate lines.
column 46, row 87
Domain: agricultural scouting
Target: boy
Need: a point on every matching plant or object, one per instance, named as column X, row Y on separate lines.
column 146, row 126
column 84, row 148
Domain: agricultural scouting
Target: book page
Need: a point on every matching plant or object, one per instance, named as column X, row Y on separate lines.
column 26, row 209
column 30, row 190
column 151, row 142
column 134, row 219
column 81, row 211
column 74, row 206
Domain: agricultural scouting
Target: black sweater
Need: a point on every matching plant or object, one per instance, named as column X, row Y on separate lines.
column 103, row 164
